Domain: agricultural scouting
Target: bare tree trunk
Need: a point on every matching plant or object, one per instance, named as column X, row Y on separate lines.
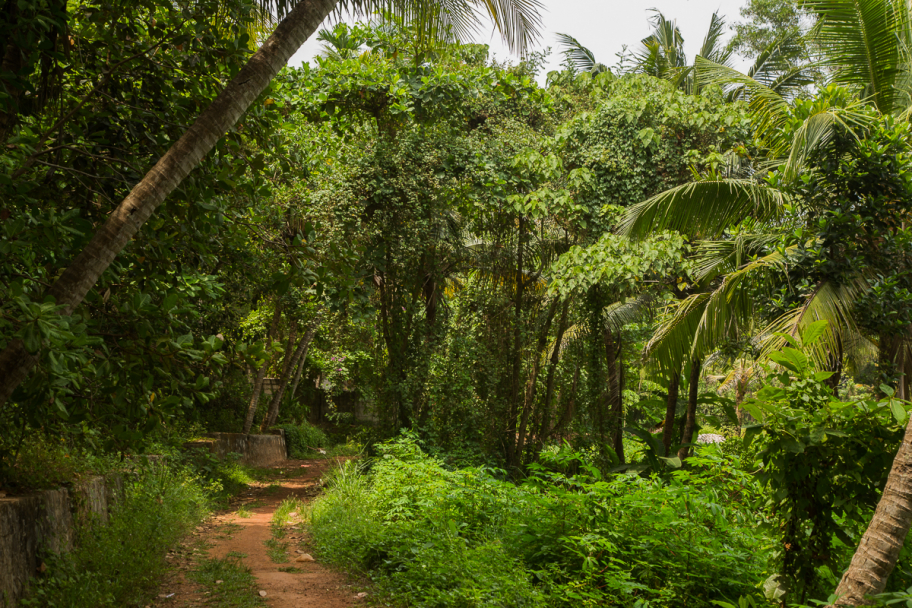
column 690, row 423
column 125, row 221
column 258, row 385
column 670, row 406
column 299, row 355
column 879, row 548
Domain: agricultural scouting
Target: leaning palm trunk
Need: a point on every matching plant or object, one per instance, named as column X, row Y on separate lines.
column 879, row 547
column 299, row 355
column 126, row 220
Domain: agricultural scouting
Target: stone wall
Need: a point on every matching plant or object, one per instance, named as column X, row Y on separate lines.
column 255, row 450
column 46, row 521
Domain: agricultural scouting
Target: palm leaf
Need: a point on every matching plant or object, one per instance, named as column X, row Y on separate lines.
column 703, row 209
column 770, row 110
column 579, row 58
column 517, row 21
column 860, row 40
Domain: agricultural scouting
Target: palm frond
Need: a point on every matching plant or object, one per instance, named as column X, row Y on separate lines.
column 517, row 21
column 769, row 108
column 713, row 258
column 817, row 130
column 672, row 341
column 829, row 302
column 619, row 314
column 696, row 325
column 703, row 209
column 860, row 40
column 712, row 48
column 578, row 57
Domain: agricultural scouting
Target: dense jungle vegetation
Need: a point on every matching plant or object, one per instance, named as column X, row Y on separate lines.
column 616, row 335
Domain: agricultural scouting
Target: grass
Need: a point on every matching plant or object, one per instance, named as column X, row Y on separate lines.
column 290, row 569
column 277, row 550
column 290, row 509
column 244, row 512
column 285, row 513
column 121, row 564
column 238, row 588
column 272, row 489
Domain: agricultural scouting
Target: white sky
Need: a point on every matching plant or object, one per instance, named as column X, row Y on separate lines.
column 603, row 26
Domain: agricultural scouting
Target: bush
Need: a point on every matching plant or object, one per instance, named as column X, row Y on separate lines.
column 121, row 563
column 300, row 438
column 441, row 538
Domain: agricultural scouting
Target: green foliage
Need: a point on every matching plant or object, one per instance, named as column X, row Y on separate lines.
column 236, row 588
column 120, row 564
column 824, row 464
column 439, row 537
column 300, row 438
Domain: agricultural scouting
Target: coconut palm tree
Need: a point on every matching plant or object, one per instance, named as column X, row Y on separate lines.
column 864, row 44
column 662, row 53
column 516, row 20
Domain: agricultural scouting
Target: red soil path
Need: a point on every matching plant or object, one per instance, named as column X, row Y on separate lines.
column 314, row 586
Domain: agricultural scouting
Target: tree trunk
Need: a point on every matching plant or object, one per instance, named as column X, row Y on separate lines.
column 125, row 221
column 529, row 399
column 879, row 548
column 670, row 406
column 616, row 393
column 690, row 423
column 517, row 352
column 299, row 355
column 297, row 378
column 545, row 428
column 258, row 385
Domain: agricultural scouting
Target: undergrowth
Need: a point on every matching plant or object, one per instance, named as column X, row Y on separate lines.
column 120, row 564
column 434, row 537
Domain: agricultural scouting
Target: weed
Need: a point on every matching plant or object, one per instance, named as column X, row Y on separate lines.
column 290, row 569
column 120, row 564
column 290, row 509
column 276, row 550
column 238, row 588
column 244, row 512
column 272, row 489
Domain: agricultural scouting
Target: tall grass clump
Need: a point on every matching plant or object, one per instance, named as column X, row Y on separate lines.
column 121, row 563
column 438, row 537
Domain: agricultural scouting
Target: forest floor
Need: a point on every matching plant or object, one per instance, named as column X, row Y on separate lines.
column 214, row 566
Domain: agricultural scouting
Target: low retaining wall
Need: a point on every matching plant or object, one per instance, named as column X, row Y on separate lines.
column 46, row 521
column 255, row 450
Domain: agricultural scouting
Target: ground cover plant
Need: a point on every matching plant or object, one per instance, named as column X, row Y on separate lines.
column 434, row 536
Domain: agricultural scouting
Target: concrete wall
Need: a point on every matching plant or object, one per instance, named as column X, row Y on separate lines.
column 255, row 450
column 46, row 521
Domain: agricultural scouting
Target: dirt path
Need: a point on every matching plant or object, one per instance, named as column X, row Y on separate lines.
column 297, row 583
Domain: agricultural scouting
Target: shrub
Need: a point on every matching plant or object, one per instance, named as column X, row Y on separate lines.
column 301, row 437
column 438, row 537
